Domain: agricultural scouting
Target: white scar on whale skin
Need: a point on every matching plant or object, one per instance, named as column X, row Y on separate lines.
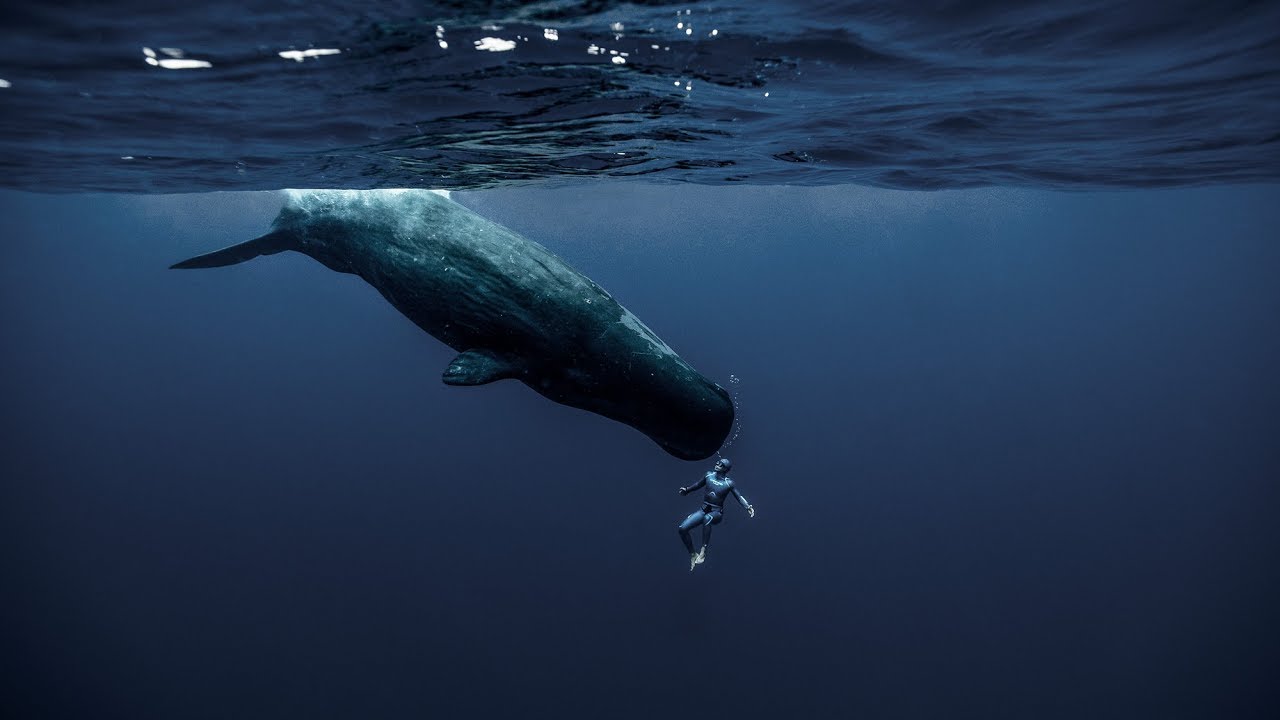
column 631, row 321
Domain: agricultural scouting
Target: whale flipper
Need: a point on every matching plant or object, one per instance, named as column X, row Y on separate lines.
column 479, row 367
column 268, row 244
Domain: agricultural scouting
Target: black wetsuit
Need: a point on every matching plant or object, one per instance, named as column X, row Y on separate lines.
column 712, row 512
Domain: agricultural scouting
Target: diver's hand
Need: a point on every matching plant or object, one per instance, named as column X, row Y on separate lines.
column 684, row 491
column 751, row 511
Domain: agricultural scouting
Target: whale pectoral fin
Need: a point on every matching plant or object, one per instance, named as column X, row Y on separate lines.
column 477, row 367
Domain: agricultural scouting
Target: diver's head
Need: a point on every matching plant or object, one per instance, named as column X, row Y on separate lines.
column 723, row 465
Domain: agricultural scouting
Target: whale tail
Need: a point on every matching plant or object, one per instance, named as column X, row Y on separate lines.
column 269, row 244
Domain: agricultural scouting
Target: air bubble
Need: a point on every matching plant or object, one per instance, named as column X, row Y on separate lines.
column 736, row 395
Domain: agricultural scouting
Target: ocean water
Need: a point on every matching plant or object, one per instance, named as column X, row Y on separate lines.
column 145, row 96
column 995, row 287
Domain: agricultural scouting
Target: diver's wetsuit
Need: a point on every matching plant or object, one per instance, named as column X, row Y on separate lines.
column 712, row 507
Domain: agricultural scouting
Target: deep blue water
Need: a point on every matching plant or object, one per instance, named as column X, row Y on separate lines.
column 1013, row 449
column 910, row 95
column 1013, row 454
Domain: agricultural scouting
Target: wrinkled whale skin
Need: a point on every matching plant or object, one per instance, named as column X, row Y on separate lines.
column 509, row 306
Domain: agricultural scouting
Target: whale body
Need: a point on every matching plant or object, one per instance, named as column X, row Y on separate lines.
column 509, row 306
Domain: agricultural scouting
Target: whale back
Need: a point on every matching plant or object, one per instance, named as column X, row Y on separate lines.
column 461, row 277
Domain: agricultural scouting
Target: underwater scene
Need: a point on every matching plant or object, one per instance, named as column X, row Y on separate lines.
column 593, row 359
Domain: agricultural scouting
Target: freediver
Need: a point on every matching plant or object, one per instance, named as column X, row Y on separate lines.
column 719, row 486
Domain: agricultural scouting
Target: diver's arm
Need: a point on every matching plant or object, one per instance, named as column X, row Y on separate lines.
column 751, row 511
column 701, row 481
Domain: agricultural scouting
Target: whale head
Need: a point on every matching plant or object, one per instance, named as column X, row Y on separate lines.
column 630, row 375
column 694, row 425
column 684, row 413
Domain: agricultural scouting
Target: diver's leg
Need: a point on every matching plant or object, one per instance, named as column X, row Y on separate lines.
column 710, row 519
column 691, row 522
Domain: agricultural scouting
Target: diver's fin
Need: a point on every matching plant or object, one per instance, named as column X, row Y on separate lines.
column 269, row 244
column 477, row 367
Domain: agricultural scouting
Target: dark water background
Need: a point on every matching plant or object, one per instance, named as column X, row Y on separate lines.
column 1013, row 449
column 1014, row 455
column 911, row 95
